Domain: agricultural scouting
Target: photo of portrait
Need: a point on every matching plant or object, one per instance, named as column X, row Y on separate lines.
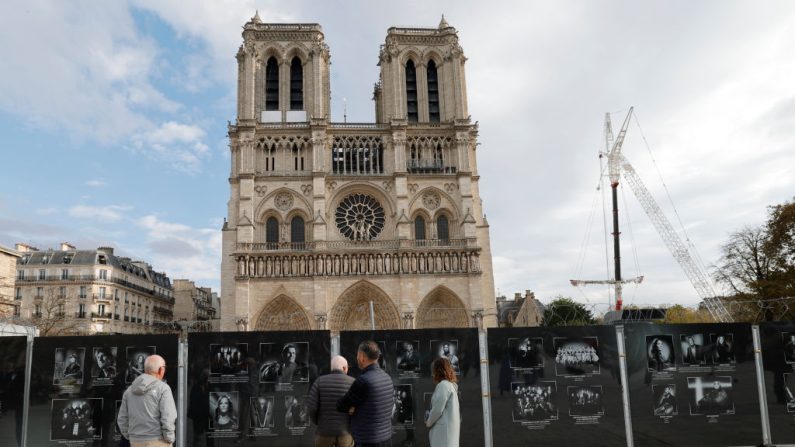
column 284, row 363
column 224, row 411
column 296, row 413
column 104, row 366
column 664, row 399
column 447, row 349
column 76, row 419
column 710, row 395
column 403, row 414
column 536, row 402
column 789, row 391
column 585, row 400
column 136, row 356
column 576, row 356
column 229, row 358
column 692, row 347
column 789, row 346
column 408, row 359
column 722, row 348
column 382, row 359
column 262, row 412
column 660, row 353
column 526, row 353
column 69, row 363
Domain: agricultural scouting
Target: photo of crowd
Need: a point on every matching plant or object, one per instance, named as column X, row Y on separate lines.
column 576, row 356
column 535, row 402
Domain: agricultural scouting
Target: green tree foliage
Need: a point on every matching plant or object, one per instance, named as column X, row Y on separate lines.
column 564, row 311
column 682, row 314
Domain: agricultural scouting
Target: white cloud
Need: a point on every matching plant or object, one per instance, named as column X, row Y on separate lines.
column 180, row 145
column 110, row 213
column 46, row 211
column 96, row 183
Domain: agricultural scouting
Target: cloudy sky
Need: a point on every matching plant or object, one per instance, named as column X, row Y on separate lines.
column 113, row 119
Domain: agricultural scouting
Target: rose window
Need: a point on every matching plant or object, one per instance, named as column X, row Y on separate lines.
column 360, row 217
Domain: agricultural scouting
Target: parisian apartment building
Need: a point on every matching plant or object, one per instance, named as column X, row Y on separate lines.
column 76, row 291
column 8, row 270
column 195, row 306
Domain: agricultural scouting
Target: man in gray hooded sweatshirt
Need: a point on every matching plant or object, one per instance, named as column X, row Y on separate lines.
column 147, row 414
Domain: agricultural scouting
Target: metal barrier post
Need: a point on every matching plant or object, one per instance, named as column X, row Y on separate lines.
column 26, row 395
column 622, row 363
column 760, row 384
column 485, row 387
column 182, row 386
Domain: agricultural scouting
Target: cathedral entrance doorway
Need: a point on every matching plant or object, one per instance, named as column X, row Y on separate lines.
column 283, row 314
column 441, row 308
column 352, row 310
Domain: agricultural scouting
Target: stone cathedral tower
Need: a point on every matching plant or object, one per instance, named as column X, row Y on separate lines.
column 326, row 218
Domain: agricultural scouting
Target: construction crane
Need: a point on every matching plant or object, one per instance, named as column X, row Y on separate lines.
column 617, row 165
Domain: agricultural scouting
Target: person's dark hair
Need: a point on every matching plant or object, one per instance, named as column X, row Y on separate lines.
column 442, row 369
column 370, row 349
column 287, row 348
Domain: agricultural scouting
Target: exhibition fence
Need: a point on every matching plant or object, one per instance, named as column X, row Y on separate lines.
column 635, row 384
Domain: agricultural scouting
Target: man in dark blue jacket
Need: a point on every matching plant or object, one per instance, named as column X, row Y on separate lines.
column 370, row 400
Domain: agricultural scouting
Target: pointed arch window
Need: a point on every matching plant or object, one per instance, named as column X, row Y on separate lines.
column 433, row 92
column 297, row 230
column 272, row 84
column 411, row 92
column 296, row 84
column 272, row 232
column 419, row 228
column 443, row 228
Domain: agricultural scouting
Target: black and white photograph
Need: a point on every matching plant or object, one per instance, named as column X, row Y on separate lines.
column 692, row 348
column 382, row 359
column 69, row 366
column 789, row 391
column 116, row 417
column 284, row 363
column 526, row 352
column 261, row 413
column 660, row 353
column 408, row 357
column 103, row 369
column 296, row 413
column 76, row 419
column 224, row 411
column 710, row 395
column 664, row 399
column 536, row 402
column 789, row 346
column 722, row 349
column 403, row 414
column 136, row 356
column 576, row 356
column 585, row 400
column 229, row 359
column 447, row 349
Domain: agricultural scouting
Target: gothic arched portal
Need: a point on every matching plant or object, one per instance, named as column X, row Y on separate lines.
column 352, row 310
column 441, row 308
column 283, row 314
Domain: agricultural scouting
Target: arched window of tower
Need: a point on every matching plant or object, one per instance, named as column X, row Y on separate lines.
column 433, row 92
column 442, row 228
column 419, row 228
column 412, row 113
column 272, row 232
column 272, row 84
column 297, row 231
column 296, row 84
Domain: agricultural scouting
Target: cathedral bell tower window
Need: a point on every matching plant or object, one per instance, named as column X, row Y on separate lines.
column 411, row 92
column 433, row 93
column 271, row 232
column 419, row 228
column 297, row 231
column 272, row 84
column 296, row 84
column 442, row 228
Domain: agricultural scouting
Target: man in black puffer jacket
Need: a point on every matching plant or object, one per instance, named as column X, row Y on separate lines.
column 370, row 400
column 333, row 427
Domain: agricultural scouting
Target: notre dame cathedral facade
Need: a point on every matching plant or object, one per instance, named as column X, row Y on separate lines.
column 326, row 218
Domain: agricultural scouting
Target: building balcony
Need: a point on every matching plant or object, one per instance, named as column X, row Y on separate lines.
column 102, row 316
column 36, row 315
column 103, row 298
column 38, row 297
column 376, row 245
column 429, row 167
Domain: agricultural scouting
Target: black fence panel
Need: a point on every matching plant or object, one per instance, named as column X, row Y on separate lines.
column 407, row 357
column 555, row 386
column 250, row 387
column 77, row 384
column 12, row 389
column 693, row 385
column 778, row 356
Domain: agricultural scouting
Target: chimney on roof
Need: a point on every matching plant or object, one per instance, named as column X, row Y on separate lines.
column 24, row 248
column 529, row 295
column 107, row 250
column 66, row 246
column 517, row 296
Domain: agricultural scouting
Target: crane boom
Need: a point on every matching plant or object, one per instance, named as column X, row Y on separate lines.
column 675, row 245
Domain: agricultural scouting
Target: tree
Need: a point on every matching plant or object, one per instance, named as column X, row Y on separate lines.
column 745, row 266
column 564, row 311
column 53, row 318
column 780, row 245
column 682, row 314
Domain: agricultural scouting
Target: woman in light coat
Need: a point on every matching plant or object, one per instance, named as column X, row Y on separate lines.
column 444, row 418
